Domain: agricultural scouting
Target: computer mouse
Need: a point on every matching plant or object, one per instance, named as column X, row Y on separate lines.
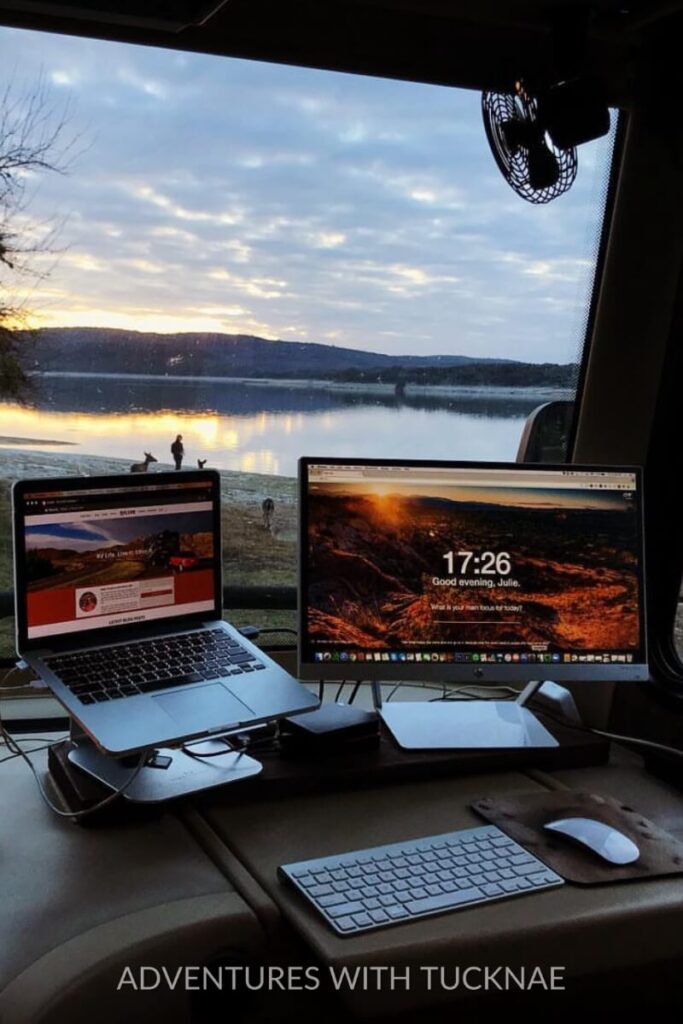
column 607, row 842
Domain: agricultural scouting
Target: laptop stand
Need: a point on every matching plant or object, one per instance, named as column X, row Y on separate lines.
column 168, row 772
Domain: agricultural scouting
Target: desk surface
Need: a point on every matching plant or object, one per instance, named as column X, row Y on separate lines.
column 588, row 930
column 80, row 902
column 65, row 883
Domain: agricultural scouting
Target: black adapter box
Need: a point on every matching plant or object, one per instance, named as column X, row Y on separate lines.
column 333, row 727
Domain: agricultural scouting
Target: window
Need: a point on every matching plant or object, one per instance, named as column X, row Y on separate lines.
column 382, row 290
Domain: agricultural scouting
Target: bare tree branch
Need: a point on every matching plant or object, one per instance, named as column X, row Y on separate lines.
column 35, row 138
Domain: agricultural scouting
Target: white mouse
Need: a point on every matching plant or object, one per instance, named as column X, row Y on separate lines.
column 605, row 841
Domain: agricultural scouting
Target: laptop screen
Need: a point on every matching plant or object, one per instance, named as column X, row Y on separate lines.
column 102, row 553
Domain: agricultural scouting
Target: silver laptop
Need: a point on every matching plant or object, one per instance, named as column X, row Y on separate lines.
column 118, row 588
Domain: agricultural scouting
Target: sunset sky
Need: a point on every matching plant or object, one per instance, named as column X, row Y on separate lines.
column 220, row 195
column 507, row 497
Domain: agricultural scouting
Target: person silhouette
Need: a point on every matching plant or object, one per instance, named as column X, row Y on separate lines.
column 177, row 451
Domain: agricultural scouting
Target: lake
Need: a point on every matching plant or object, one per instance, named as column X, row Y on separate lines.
column 262, row 429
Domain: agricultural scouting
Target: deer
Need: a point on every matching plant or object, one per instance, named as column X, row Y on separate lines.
column 268, row 508
column 142, row 467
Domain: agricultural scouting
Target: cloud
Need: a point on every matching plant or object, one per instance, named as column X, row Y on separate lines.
column 565, row 269
column 148, row 267
column 81, row 537
column 149, row 194
column 328, row 239
column 61, row 77
column 85, row 261
column 230, row 195
column 148, row 86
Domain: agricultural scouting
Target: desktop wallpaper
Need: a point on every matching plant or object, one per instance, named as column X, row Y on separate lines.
column 390, row 566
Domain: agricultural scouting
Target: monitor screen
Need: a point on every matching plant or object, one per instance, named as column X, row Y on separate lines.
column 92, row 555
column 462, row 571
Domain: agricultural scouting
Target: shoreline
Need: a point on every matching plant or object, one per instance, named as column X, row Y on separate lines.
column 236, row 486
column 341, row 387
column 35, row 440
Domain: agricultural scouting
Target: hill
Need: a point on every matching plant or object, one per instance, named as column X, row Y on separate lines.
column 105, row 350
column 102, row 350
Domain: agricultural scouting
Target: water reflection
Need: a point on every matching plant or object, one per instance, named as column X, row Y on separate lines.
column 157, row 395
column 263, row 429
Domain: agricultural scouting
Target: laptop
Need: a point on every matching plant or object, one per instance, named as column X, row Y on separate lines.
column 118, row 591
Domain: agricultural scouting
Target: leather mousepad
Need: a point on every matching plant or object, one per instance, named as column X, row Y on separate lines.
column 522, row 817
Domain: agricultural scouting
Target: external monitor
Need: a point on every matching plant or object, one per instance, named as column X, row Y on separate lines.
column 470, row 572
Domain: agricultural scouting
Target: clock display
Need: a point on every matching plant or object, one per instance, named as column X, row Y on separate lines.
column 482, row 563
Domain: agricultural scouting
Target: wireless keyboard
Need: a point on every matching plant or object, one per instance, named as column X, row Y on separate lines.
column 385, row 885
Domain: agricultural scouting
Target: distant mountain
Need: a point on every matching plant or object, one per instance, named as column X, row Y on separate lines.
column 103, row 350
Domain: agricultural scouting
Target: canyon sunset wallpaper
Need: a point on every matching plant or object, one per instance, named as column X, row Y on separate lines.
column 394, row 567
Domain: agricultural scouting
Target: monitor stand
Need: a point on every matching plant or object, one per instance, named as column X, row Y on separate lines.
column 168, row 772
column 465, row 724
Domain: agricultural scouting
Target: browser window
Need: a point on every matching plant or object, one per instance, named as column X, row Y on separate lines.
column 99, row 558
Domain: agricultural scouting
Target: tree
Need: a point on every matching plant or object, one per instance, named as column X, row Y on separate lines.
column 34, row 139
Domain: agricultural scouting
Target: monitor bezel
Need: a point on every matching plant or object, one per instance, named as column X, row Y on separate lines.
column 454, row 672
column 108, row 634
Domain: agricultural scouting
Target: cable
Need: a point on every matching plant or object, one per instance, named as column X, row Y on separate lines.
column 651, row 744
column 33, row 750
column 446, row 693
column 641, row 742
column 16, row 751
column 263, row 745
column 44, row 742
column 96, row 807
column 354, row 691
column 239, row 741
column 19, row 686
column 229, row 749
column 340, row 690
column 476, row 691
column 452, row 689
column 15, row 668
column 47, row 740
column 277, row 629
column 423, row 686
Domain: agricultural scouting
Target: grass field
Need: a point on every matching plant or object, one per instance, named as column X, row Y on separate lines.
column 6, row 582
column 253, row 555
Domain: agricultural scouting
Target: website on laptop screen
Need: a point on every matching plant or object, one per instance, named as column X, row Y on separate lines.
column 436, row 563
column 100, row 558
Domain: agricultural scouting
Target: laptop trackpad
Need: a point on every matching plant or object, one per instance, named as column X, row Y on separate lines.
column 204, row 707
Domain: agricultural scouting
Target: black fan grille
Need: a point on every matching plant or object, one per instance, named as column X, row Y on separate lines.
column 500, row 110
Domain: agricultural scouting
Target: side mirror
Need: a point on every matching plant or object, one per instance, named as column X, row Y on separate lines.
column 546, row 432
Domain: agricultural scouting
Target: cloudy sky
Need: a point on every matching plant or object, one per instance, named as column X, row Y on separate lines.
column 90, row 536
column 221, row 195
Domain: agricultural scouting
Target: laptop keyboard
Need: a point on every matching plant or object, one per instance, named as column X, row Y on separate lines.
column 110, row 673
column 386, row 885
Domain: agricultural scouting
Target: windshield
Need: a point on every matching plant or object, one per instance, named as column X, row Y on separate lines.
column 258, row 262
